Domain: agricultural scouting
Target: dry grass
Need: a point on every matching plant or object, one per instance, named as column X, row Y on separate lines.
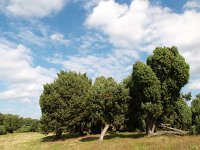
column 122, row 141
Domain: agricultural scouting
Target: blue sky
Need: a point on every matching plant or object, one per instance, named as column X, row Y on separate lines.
column 99, row 37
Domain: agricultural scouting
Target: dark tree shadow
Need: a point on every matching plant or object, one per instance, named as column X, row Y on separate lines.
column 89, row 139
column 115, row 135
column 63, row 137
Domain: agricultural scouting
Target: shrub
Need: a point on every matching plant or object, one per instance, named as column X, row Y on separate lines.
column 2, row 130
column 193, row 130
column 25, row 129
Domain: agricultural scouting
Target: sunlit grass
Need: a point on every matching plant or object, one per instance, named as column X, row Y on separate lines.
column 122, row 141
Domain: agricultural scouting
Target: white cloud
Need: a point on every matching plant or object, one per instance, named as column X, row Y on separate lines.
column 118, row 64
column 26, row 34
column 23, row 80
column 32, row 8
column 143, row 26
column 89, row 4
column 192, row 4
column 34, row 33
column 58, row 37
column 194, row 84
column 91, row 41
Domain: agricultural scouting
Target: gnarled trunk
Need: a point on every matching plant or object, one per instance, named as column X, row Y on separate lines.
column 151, row 125
column 103, row 132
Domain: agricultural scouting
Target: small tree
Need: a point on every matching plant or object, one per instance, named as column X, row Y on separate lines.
column 63, row 102
column 146, row 93
column 107, row 103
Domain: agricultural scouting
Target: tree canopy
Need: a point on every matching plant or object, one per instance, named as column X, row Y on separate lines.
column 108, row 102
column 146, row 93
column 63, row 102
column 173, row 72
column 13, row 123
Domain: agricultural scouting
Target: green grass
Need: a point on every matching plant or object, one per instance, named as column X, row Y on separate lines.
column 122, row 141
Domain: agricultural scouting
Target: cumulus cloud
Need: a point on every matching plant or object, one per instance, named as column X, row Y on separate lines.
column 22, row 79
column 32, row 8
column 143, row 26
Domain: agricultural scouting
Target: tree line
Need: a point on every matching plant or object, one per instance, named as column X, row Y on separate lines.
column 13, row 123
column 147, row 98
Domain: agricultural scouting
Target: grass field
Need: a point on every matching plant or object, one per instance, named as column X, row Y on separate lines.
column 122, row 141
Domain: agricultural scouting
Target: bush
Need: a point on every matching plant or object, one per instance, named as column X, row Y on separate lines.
column 2, row 130
column 12, row 122
column 24, row 129
column 193, row 130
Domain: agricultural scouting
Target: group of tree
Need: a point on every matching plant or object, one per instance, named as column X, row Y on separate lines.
column 73, row 103
column 149, row 97
column 13, row 123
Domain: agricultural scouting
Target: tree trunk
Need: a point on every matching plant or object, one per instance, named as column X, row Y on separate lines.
column 169, row 133
column 58, row 133
column 81, row 129
column 151, row 125
column 103, row 132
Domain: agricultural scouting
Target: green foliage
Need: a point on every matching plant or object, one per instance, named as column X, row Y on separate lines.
column 183, row 116
column 2, row 130
column 25, row 128
column 186, row 97
column 146, row 92
column 193, row 130
column 63, row 102
column 173, row 72
column 107, row 102
column 195, row 107
column 127, row 82
column 11, row 122
column 32, row 123
column 1, row 119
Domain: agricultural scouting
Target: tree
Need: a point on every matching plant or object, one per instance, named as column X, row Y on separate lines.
column 11, row 122
column 107, row 103
column 173, row 73
column 146, row 94
column 195, row 107
column 134, row 121
column 63, row 102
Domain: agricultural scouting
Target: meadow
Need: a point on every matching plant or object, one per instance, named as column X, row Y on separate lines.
column 117, row 141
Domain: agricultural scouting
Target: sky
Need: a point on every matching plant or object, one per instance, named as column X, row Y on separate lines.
column 97, row 37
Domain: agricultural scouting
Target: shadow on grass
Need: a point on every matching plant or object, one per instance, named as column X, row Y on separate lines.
column 63, row 137
column 114, row 135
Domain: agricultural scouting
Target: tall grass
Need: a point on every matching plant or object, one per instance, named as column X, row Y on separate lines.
column 122, row 141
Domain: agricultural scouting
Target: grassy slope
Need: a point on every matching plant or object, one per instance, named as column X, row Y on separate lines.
column 123, row 141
